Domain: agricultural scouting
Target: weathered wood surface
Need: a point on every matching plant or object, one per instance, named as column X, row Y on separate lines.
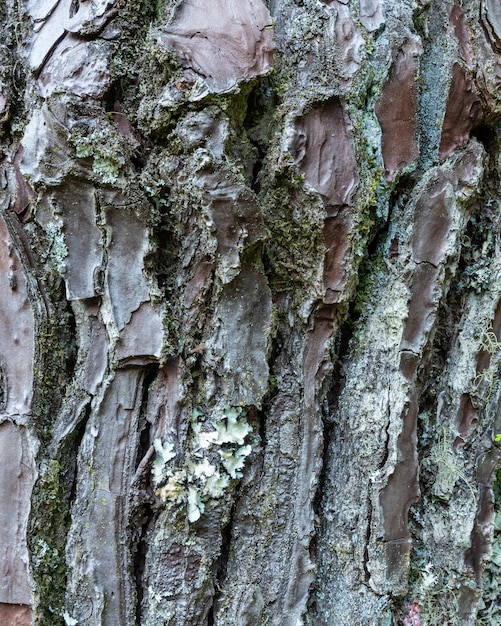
column 250, row 312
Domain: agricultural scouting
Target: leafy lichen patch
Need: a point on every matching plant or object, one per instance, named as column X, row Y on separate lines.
column 214, row 457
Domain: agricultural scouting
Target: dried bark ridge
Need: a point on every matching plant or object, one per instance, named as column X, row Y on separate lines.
column 18, row 472
column 208, row 318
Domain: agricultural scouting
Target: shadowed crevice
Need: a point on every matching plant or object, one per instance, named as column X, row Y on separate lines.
column 146, row 520
column 221, row 566
column 143, row 514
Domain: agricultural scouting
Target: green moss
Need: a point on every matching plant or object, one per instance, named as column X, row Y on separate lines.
column 49, row 517
column 51, row 372
column 105, row 146
column 234, row 104
column 47, row 541
column 294, row 223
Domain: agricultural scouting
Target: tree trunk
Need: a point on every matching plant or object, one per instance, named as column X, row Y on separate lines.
column 250, row 320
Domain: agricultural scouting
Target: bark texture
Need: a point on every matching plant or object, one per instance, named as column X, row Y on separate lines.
column 250, row 314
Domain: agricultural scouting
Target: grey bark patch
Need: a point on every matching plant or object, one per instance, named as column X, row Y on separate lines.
column 99, row 586
column 337, row 243
column 74, row 205
column 76, row 66
column 371, row 14
column 52, row 23
column 244, row 313
column 49, row 31
column 141, row 340
column 96, row 358
column 90, row 17
column 46, row 157
column 39, row 10
column 422, row 307
column 17, row 476
column 17, row 333
column 236, row 216
column 433, row 221
column 491, row 19
column 348, row 42
column 128, row 245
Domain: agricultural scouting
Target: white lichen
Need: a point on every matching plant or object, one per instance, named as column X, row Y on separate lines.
column 234, row 461
column 106, row 149
column 194, row 504
column 215, row 455
column 428, row 577
column 165, row 452
column 58, row 250
column 68, row 620
column 232, row 430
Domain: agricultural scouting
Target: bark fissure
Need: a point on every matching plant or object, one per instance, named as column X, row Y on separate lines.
column 144, row 522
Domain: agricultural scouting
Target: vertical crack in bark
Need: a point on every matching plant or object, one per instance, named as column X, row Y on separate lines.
column 259, row 124
column 142, row 514
column 221, row 564
column 73, row 444
column 30, row 257
column 333, row 429
column 330, row 431
column 367, row 540
column 145, row 518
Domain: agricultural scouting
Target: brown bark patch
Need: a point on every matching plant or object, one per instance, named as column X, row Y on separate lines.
column 467, row 418
column 408, row 364
column 315, row 359
column 421, row 307
column 432, row 223
column 323, row 152
column 15, row 615
column 199, row 282
column 223, row 41
column 396, row 110
column 24, row 192
column 338, row 246
column 458, row 21
column 482, row 528
column 402, row 489
column 464, row 109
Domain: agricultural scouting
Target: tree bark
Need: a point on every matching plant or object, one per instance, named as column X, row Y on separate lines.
column 250, row 320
